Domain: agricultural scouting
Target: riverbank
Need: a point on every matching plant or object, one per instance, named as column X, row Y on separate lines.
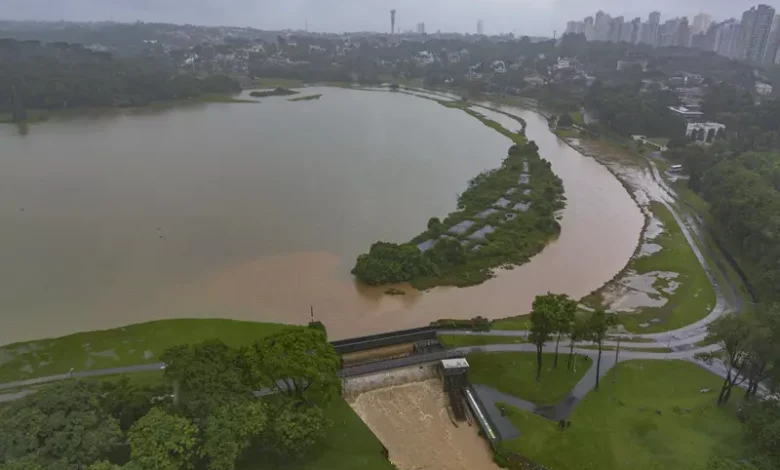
column 504, row 217
column 35, row 116
column 125, row 346
column 664, row 286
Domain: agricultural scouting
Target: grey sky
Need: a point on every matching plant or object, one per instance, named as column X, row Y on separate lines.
column 532, row 17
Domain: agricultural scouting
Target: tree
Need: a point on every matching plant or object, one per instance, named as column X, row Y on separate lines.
column 208, row 375
column 563, row 319
column 297, row 362
column 565, row 121
column 732, row 332
column 435, row 227
column 389, row 263
column 598, row 325
column 294, row 429
column 579, row 332
column 62, row 423
column 763, row 352
column 762, row 427
column 104, row 465
column 127, row 401
column 710, row 135
column 542, row 326
column 163, row 441
column 230, row 430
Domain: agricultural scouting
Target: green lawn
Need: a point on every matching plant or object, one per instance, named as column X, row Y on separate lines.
column 475, row 340
column 563, row 133
column 619, row 427
column 129, row 345
column 695, row 296
column 349, row 445
column 520, row 322
column 515, row 374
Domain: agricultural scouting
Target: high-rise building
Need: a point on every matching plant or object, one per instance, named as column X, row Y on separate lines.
column 756, row 24
column 480, row 27
column 683, row 38
column 574, row 27
column 708, row 40
column 392, row 21
column 636, row 30
column 650, row 30
column 773, row 42
column 601, row 26
column 588, row 29
column 420, row 28
column 615, row 29
column 668, row 33
column 701, row 23
column 728, row 40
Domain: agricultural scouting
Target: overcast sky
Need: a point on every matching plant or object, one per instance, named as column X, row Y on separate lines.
column 530, row 17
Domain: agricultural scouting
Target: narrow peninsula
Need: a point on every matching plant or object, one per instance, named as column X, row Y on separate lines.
column 504, row 217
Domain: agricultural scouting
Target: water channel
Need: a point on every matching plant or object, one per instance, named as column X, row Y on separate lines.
column 257, row 211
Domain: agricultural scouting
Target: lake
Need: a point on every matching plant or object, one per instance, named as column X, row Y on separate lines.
column 257, row 212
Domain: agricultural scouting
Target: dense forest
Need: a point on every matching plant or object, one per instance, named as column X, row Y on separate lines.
column 740, row 178
column 34, row 75
column 626, row 110
column 211, row 420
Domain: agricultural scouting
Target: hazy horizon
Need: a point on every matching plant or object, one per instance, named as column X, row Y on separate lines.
column 538, row 18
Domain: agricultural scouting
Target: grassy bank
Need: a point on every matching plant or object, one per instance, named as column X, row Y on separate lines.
column 515, row 374
column 306, row 98
column 690, row 295
column 130, row 345
column 454, row 341
column 653, row 418
column 520, row 212
column 40, row 115
column 693, row 299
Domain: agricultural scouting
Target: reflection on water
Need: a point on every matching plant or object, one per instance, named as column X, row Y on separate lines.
column 257, row 211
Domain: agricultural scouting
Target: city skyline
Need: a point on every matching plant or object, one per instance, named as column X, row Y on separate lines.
column 522, row 17
column 755, row 37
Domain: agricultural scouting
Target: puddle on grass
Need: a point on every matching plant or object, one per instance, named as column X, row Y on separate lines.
column 635, row 291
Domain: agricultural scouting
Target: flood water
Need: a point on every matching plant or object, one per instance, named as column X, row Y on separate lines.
column 257, row 211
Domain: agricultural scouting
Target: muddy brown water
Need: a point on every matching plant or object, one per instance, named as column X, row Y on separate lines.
column 257, row 211
column 413, row 423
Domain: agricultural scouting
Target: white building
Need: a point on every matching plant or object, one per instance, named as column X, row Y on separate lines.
column 763, row 89
column 686, row 113
column 703, row 130
column 498, row 67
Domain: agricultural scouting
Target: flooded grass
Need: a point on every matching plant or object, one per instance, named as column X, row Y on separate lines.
column 653, row 417
column 663, row 288
column 130, row 345
column 515, row 374
column 689, row 299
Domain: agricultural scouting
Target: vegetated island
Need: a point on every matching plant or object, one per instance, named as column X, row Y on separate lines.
column 306, row 98
column 278, row 91
column 505, row 216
